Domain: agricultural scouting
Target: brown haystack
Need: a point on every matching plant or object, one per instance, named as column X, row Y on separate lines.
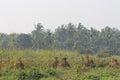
column 55, row 63
column 86, row 63
column 19, row 64
column 114, row 63
column 64, row 62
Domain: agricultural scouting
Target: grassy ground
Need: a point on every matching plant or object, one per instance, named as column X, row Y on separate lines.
column 38, row 66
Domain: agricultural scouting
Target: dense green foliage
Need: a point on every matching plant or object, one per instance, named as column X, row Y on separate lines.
column 66, row 37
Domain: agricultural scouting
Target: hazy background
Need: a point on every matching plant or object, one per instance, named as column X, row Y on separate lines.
column 21, row 15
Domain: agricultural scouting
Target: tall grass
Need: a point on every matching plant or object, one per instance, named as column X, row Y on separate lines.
column 43, row 59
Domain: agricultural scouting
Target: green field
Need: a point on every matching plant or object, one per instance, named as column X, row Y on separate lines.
column 38, row 66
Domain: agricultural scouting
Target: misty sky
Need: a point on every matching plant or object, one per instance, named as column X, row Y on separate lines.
column 21, row 15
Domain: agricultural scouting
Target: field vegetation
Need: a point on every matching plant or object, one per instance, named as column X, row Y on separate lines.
column 57, row 65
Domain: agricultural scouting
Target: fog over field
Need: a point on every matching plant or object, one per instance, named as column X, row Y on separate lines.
column 21, row 15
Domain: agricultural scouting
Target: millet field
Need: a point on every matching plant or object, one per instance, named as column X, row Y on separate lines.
column 57, row 65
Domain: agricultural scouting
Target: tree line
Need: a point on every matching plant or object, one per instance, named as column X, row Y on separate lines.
column 65, row 37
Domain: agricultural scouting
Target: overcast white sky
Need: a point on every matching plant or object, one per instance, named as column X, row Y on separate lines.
column 21, row 15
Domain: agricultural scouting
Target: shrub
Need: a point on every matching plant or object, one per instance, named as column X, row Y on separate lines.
column 22, row 76
column 32, row 74
column 106, row 75
column 51, row 72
